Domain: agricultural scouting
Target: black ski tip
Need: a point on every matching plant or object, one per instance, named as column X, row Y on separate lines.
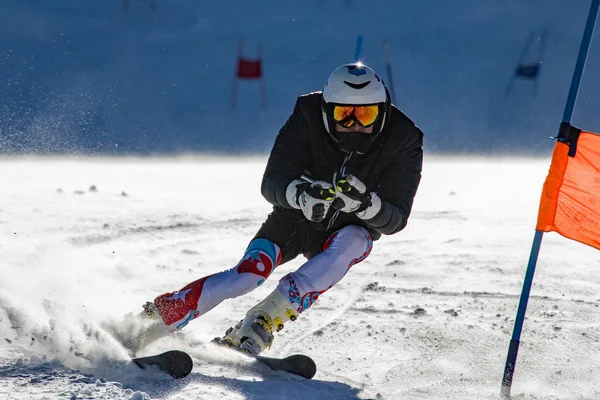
column 176, row 363
column 302, row 365
column 297, row 364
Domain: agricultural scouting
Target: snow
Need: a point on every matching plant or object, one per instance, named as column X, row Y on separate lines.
column 428, row 314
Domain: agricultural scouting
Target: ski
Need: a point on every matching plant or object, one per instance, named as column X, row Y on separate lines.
column 176, row 363
column 297, row 364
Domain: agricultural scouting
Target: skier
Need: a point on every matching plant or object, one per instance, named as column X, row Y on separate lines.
column 344, row 170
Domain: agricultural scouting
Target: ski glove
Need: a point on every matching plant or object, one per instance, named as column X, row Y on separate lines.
column 355, row 198
column 314, row 199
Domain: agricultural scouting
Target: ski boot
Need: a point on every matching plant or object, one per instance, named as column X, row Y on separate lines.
column 254, row 334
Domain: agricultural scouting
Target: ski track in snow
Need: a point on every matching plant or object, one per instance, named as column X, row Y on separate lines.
column 428, row 315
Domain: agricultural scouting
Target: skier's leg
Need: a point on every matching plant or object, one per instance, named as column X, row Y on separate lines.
column 298, row 290
column 196, row 298
column 276, row 242
column 343, row 249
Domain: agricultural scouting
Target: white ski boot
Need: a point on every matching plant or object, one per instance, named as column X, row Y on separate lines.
column 254, row 333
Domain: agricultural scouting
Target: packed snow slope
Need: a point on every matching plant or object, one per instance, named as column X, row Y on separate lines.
column 428, row 315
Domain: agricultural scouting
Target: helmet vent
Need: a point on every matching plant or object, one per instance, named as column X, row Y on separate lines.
column 357, row 85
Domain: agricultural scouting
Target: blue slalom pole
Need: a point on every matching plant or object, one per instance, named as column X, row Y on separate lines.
column 515, row 341
column 513, row 348
column 358, row 50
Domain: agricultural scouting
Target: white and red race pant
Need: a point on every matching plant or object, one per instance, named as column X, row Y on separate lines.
column 344, row 248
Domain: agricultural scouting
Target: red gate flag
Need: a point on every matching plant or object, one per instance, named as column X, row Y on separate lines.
column 249, row 69
column 570, row 203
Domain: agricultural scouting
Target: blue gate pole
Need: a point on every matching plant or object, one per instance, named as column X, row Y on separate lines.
column 513, row 348
column 358, row 50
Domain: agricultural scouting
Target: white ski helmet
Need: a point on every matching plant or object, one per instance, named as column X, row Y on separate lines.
column 354, row 84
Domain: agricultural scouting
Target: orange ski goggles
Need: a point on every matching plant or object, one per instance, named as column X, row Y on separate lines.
column 347, row 116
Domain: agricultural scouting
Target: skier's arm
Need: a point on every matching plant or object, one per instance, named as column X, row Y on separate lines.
column 397, row 187
column 288, row 160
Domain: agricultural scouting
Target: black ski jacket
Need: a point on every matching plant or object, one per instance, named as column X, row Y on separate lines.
column 391, row 168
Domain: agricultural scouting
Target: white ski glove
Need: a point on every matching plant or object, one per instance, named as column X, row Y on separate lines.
column 314, row 199
column 355, row 197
